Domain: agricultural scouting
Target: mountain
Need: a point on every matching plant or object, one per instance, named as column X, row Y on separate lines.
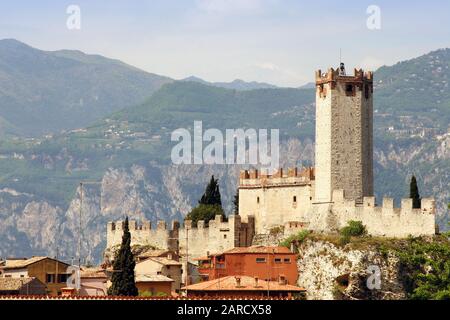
column 236, row 84
column 48, row 91
column 124, row 158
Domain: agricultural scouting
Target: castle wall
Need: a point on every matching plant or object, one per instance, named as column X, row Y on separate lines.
column 384, row 220
column 218, row 236
column 142, row 234
column 276, row 199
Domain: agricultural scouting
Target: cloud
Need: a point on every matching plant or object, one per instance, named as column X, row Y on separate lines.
column 271, row 72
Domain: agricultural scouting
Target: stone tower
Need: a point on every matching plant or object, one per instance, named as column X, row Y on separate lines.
column 344, row 137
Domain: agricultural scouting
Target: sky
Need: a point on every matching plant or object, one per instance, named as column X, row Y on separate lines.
column 276, row 41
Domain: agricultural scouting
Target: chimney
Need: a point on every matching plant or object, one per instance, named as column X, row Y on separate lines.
column 238, row 281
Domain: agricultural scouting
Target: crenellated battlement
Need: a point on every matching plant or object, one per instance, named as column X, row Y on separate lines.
column 214, row 236
column 333, row 75
column 380, row 220
column 292, row 176
column 428, row 205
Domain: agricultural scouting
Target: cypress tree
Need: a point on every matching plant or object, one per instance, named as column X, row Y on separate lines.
column 414, row 193
column 212, row 193
column 236, row 202
column 123, row 276
column 209, row 205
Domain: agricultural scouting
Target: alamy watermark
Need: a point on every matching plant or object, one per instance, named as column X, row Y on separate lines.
column 373, row 22
column 229, row 150
column 74, row 278
column 73, row 22
column 374, row 280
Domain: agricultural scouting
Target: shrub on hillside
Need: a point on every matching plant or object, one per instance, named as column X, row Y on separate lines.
column 353, row 229
column 298, row 238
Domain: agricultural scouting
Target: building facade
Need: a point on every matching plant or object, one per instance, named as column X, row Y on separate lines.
column 161, row 266
column 51, row 272
column 266, row 263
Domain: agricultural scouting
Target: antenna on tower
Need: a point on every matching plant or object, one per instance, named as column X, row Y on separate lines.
column 340, row 55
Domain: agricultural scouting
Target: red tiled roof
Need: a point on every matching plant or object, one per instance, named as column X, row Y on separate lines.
column 259, row 249
column 163, row 261
column 23, row 263
column 247, row 283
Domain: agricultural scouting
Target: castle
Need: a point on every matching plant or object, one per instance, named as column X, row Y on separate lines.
column 322, row 199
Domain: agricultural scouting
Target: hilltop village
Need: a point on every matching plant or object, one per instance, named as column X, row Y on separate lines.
column 237, row 255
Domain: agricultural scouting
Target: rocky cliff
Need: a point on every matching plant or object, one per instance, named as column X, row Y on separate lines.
column 328, row 271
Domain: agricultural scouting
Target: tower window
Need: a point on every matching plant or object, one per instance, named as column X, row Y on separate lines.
column 295, row 199
column 366, row 91
column 349, row 89
column 257, row 199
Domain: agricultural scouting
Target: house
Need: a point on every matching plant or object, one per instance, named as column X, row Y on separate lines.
column 242, row 286
column 155, row 284
column 51, row 272
column 268, row 263
column 93, row 282
column 156, row 253
column 22, row 286
column 161, row 266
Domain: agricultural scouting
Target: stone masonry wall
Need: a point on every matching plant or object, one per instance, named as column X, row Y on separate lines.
column 218, row 236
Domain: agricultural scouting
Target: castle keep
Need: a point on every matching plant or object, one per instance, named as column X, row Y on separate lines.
column 322, row 199
column 340, row 187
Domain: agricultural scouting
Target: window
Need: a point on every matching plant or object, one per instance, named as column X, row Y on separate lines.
column 50, row 278
column 260, row 260
column 62, row 278
column 224, row 236
column 277, row 260
column 158, row 273
column 287, row 260
column 349, row 89
column 257, row 199
column 295, row 199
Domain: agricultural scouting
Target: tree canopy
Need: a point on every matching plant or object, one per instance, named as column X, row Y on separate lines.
column 414, row 193
column 209, row 205
column 122, row 279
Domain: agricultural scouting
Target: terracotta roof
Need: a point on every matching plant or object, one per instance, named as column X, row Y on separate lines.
column 247, row 283
column 153, row 253
column 23, row 263
column 152, row 278
column 12, row 284
column 93, row 273
column 202, row 258
column 163, row 261
column 259, row 249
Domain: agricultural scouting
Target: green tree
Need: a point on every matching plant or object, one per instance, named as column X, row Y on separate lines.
column 414, row 193
column 212, row 193
column 122, row 279
column 205, row 212
column 426, row 269
column 209, row 205
column 236, row 203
